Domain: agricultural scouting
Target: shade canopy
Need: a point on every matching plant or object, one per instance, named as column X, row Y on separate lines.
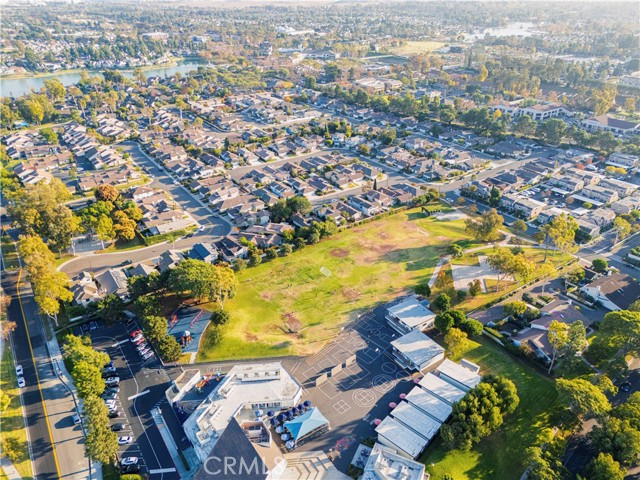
column 306, row 423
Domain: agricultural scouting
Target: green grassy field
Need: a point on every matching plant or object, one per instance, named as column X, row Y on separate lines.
column 501, row 454
column 9, row 253
column 417, row 47
column 368, row 264
column 12, row 420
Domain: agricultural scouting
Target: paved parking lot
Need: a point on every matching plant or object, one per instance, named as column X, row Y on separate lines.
column 142, row 385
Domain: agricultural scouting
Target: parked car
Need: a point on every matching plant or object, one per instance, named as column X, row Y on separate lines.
column 130, row 469
column 112, row 381
column 144, row 352
column 110, row 369
column 110, row 403
column 109, row 374
column 625, row 387
column 142, row 346
column 129, row 461
column 112, row 390
column 126, row 440
column 76, row 419
column 116, row 427
column 137, row 338
column 21, row 382
column 139, row 341
column 135, row 332
column 109, row 396
column 148, row 355
column 19, row 370
column 109, row 365
column 113, row 414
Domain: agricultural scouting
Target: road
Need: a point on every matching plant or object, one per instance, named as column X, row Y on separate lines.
column 56, row 443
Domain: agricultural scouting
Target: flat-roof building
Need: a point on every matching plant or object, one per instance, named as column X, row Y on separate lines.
column 441, row 388
column 428, row 403
column 394, row 434
column 416, row 351
column 414, row 419
column 385, row 463
column 458, row 375
column 246, row 388
column 410, row 314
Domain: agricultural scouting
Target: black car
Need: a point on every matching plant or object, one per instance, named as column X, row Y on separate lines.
column 112, row 390
column 108, row 374
column 625, row 387
column 130, row 468
column 116, row 427
column 114, row 414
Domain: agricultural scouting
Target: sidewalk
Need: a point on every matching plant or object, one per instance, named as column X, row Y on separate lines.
column 65, row 379
column 8, row 469
column 158, row 419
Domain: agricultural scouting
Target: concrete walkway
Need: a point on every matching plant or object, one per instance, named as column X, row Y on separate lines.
column 436, row 271
column 171, row 446
column 8, row 469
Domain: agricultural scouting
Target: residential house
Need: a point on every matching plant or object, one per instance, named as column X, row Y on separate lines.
column 616, row 291
column 230, row 249
column 204, row 252
column 112, row 281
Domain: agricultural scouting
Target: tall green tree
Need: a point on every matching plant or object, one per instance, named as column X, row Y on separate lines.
column 87, row 379
column 487, row 228
column 204, row 281
column 582, row 397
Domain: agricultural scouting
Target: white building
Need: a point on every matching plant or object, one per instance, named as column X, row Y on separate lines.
column 409, row 315
column 415, row 351
column 385, row 463
column 247, row 387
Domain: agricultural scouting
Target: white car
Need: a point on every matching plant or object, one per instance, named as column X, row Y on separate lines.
column 19, row 371
column 148, row 355
column 142, row 346
column 21, row 382
column 129, row 461
column 144, row 352
column 110, row 403
column 125, row 440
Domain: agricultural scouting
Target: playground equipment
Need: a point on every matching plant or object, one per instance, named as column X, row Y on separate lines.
column 204, row 382
column 196, row 318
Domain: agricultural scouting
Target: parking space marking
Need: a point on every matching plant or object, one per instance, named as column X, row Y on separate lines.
column 144, row 392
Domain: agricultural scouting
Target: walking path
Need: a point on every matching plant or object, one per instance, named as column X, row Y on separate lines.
column 171, row 445
column 8, row 469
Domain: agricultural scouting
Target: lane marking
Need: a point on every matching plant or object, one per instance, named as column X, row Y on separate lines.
column 120, row 342
column 144, row 392
column 162, row 470
column 44, row 403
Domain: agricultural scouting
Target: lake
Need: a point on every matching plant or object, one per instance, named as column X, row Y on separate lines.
column 14, row 87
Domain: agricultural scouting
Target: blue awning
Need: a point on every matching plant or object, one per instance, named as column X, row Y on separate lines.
column 306, row 423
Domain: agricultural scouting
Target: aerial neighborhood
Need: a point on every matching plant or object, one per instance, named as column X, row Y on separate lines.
column 375, row 241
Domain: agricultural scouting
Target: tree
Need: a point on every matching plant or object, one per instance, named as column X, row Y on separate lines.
column 285, row 249
column 600, row 265
column 101, row 443
column 106, row 193
column 494, row 197
column 487, row 229
column 220, row 318
column 475, row 287
column 617, row 437
column 442, row 302
column 169, row 348
column 620, row 333
column 444, row 322
column 604, row 467
column 78, row 349
column 544, row 459
column 503, row 262
column 557, row 334
column 55, row 89
column 423, row 289
column 5, row 400
column 455, row 341
column 562, row 233
column 481, row 411
column 111, row 308
column 255, row 256
column 204, row 281
column 519, row 226
column 622, row 228
column 104, row 229
column 124, row 228
column 50, row 136
column 582, row 397
column 155, row 328
column 87, row 379
column 525, row 125
column 552, row 131
column 517, row 308
column 455, row 250
column 472, row 327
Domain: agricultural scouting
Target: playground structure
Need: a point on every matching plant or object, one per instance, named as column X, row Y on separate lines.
column 206, row 379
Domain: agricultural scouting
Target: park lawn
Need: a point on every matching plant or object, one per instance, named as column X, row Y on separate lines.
column 123, row 246
column 418, row 46
column 12, row 419
column 366, row 265
column 501, row 454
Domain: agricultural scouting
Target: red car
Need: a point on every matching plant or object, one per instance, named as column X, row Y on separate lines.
column 134, row 333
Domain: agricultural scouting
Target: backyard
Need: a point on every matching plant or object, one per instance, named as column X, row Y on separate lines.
column 501, row 454
column 12, row 420
column 317, row 290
